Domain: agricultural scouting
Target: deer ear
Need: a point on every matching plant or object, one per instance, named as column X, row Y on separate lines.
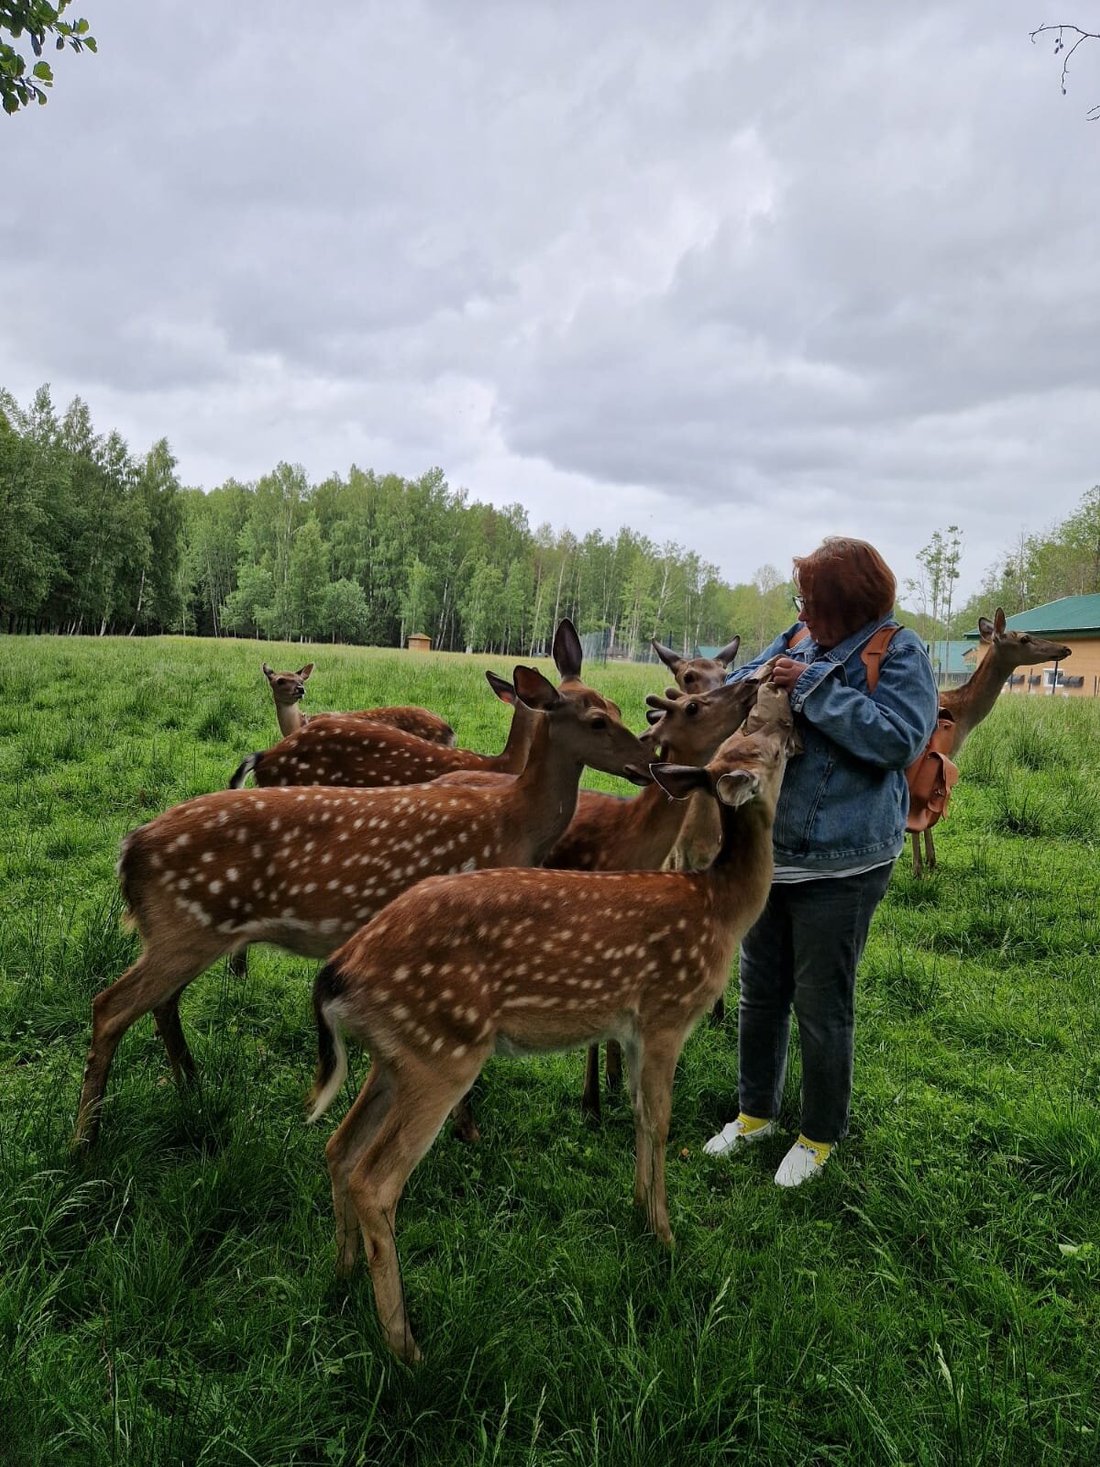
column 737, row 788
column 985, row 628
column 666, row 654
column 269, row 672
column 999, row 622
column 534, row 690
column 502, row 688
column 680, row 780
column 728, row 653
column 304, row 672
column 568, row 652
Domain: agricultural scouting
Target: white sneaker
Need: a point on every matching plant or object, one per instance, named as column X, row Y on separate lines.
column 741, row 1132
column 805, row 1161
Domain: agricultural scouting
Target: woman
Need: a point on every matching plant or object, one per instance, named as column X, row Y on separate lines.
column 839, row 827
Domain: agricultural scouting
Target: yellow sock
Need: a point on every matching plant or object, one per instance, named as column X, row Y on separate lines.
column 752, row 1123
column 820, row 1149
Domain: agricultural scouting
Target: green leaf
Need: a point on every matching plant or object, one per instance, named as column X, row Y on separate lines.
column 42, row 71
column 1075, row 1250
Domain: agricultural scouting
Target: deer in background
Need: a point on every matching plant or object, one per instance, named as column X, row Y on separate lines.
column 699, row 834
column 525, row 962
column 289, row 688
column 303, row 868
column 967, row 705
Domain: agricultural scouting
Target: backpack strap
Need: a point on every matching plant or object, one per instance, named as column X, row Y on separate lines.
column 799, row 636
column 873, row 651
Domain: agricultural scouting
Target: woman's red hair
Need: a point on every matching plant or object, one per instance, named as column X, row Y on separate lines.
column 847, row 584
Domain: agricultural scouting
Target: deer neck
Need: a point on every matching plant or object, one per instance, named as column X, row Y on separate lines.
column 513, row 758
column 290, row 717
column 543, row 799
column 741, row 873
column 972, row 702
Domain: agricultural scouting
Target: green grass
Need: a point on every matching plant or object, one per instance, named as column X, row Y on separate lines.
column 934, row 1300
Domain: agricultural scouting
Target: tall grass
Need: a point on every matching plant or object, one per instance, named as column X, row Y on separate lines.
column 932, row 1300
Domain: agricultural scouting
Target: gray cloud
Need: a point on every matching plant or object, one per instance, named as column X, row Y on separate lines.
column 737, row 275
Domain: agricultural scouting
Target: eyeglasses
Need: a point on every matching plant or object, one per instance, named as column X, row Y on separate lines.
column 799, row 604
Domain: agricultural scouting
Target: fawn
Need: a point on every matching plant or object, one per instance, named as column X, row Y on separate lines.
column 523, row 962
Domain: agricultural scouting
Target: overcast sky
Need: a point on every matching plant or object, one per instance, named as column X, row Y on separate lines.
column 737, row 275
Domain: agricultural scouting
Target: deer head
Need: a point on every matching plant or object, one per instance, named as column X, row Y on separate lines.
column 1017, row 649
column 698, row 674
column 288, row 688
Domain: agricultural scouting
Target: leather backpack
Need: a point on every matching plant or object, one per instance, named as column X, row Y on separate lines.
column 932, row 775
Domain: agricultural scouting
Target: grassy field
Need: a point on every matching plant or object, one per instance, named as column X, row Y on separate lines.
column 933, row 1300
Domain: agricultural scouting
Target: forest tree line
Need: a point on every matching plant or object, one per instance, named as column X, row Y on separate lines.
column 96, row 541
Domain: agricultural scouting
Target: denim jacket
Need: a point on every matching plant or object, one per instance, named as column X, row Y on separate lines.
column 844, row 800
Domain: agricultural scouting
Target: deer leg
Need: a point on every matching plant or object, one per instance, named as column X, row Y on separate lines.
column 463, row 1124
column 652, row 1116
column 717, row 1016
column 929, row 849
column 613, row 1063
column 918, row 869
column 377, row 1178
column 238, row 963
column 166, row 1016
column 590, row 1095
column 154, row 981
column 355, row 1131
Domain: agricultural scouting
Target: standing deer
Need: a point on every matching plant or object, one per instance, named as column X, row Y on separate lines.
column 700, row 833
column 289, row 688
column 967, row 705
column 303, row 868
column 609, row 833
column 523, row 962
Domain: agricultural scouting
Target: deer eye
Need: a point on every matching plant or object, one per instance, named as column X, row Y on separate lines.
column 598, row 721
column 691, row 709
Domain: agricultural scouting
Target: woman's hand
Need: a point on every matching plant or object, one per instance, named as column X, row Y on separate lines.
column 786, row 672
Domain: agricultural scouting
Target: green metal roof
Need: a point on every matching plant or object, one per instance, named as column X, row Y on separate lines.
column 948, row 657
column 1070, row 615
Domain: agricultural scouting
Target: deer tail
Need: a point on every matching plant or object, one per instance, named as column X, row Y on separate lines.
column 244, row 769
column 332, row 1057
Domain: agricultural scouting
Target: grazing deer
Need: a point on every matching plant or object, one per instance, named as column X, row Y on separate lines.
column 289, row 688
column 609, row 833
column 523, row 962
column 967, row 705
column 303, row 868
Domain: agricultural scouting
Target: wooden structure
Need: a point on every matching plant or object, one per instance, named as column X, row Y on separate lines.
column 420, row 643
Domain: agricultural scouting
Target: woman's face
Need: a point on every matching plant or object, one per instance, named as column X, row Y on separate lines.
column 818, row 626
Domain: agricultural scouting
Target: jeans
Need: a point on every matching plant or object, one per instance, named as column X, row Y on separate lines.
column 804, row 951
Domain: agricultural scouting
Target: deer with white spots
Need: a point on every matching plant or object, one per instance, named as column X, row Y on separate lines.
column 700, row 832
column 609, row 833
column 342, row 749
column 289, row 688
column 303, row 868
column 524, row 962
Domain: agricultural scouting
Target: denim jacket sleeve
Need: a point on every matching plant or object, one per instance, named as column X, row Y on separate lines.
column 887, row 728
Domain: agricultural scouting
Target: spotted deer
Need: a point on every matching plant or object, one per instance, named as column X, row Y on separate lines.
column 341, row 749
column 524, row 962
column 967, row 705
column 303, row 868
column 699, row 834
column 698, row 674
column 609, row 833
column 289, row 688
